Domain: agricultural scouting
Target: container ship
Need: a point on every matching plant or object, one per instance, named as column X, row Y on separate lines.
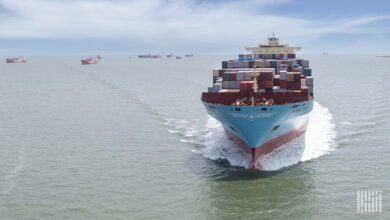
column 16, row 60
column 263, row 98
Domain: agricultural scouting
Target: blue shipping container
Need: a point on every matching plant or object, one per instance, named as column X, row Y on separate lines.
column 224, row 64
column 226, row 76
column 307, row 72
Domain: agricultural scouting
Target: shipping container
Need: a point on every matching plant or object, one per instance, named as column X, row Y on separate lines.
column 216, row 72
column 246, row 86
column 283, row 84
column 297, row 76
column 309, row 81
column 217, row 87
column 305, row 63
column 224, row 64
column 290, row 77
column 266, row 84
column 307, row 71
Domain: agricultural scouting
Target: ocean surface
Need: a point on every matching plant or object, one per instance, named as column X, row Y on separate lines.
column 130, row 139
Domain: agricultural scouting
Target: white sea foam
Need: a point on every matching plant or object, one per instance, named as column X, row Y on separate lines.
column 9, row 179
column 318, row 140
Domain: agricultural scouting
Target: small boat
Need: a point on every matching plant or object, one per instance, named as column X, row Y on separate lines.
column 169, row 55
column 189, row 55
column 156, row 56
column 178, row 57
column 89, row 60
column 16, row 60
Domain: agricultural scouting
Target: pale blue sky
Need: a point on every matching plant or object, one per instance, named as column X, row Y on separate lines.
column 78, row 27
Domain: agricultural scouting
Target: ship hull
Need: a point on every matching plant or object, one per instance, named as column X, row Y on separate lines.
column 262, row 129
column 88, row 61
column 14, row 61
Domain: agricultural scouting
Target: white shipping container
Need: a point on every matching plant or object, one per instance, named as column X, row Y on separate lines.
column 305, row 63
column 215, row 72
column 310, row 88
column 240, row 75
column 210, row 89
column 261, row 90
column 223, row 90
column 283, row 75
column 247, row 76
column 260, row 64
column 226, row 84
column 217, row 87
column 309, row 81
column 276, row 87
column 283, row 90
column 219, row 81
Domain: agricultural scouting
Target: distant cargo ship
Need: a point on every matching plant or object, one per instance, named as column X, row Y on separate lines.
column 90, row 60
column 178, row 57
column 145, row 56
column 189, row 55
column 169, row 55
column 156, row 56
column 262, row 99
column 16, row 60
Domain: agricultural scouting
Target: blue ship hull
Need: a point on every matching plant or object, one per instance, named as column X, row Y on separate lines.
column 258, row 127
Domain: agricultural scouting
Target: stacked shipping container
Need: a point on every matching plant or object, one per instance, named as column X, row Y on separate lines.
column 267, row 73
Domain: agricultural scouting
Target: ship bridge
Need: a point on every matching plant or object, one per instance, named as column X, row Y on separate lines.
column 273, row 46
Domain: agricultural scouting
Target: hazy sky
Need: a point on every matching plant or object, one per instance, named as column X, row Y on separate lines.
column 70, row 27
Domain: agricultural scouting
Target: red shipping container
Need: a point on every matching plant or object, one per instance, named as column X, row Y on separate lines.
column 281, row 56
column 296, row 85
column 233, row 76
column 267, row 84
column 290, row 85
column 220, row 73
column 297, row 77
column 284, row 62
column 283, row 84
column 246, row 86
column 265, row 75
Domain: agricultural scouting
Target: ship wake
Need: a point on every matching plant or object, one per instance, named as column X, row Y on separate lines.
column 318, row 141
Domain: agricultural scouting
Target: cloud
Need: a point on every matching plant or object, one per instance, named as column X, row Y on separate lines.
column 164, row 22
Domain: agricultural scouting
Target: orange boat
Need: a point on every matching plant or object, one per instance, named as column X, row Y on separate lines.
column 16, row 60
column 89, row 60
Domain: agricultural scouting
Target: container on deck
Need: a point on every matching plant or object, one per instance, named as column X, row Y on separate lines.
column 247, row 86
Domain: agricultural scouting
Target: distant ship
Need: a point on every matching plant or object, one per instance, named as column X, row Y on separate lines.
column 16, row 60
column 90, row 60
column 145, row 56
column 189, row 55
column 156, row 56
column 262, row 99
column 169, row 55
column 178, row 57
